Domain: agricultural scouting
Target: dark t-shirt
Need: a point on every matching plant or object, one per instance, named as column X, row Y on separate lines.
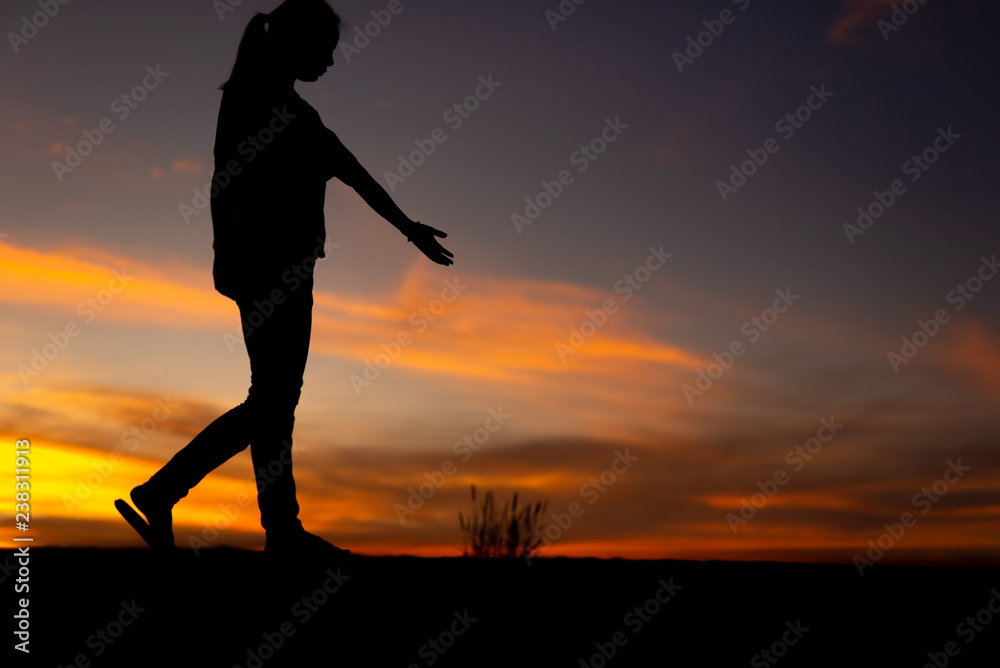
column 273, row 157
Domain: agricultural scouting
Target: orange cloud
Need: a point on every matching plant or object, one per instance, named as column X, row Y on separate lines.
column 535, row 334
column 85, row 283
column 465, row 325
column 185, row 166
column 974, row 358
column 670, row 503
column 492, row 327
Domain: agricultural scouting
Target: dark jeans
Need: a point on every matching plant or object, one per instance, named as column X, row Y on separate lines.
column 278, row 344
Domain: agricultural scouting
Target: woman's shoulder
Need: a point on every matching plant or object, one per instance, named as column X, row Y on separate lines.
column 255, row 102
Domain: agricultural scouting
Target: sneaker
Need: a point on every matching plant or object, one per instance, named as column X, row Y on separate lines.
column 159, row 517
column 302, row 543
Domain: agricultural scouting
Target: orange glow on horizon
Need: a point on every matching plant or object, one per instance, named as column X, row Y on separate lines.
column 618, row 387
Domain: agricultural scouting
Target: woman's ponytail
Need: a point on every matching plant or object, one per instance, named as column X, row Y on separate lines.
column 251, row 56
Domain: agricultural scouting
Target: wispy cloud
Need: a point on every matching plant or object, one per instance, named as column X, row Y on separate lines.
column 464, row 324
column 188, row 166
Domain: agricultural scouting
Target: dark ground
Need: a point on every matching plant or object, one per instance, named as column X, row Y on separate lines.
column 220, row 608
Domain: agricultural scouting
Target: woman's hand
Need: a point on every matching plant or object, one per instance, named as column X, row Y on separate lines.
column 422, row 236
column 381, row 203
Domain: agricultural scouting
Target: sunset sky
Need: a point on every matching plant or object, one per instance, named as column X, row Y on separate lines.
column 565, row 338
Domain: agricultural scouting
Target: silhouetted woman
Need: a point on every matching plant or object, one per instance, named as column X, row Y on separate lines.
column 273, row 157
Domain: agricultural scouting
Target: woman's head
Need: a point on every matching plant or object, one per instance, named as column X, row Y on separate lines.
column 295, row 40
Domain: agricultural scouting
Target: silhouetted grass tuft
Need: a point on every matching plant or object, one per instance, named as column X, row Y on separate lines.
column 507, row 533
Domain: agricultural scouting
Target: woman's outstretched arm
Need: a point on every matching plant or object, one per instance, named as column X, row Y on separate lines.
column 422, row 236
